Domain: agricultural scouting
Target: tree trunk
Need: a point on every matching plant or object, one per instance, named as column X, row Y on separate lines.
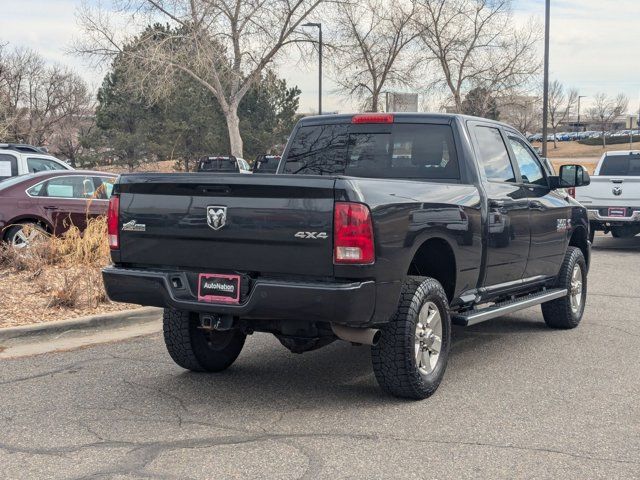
column 555, row 142
column 233, row 126
column 374, row 102
column 457, row 98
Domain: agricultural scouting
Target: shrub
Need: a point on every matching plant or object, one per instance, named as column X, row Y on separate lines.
column 66, row 268
column 610, row 140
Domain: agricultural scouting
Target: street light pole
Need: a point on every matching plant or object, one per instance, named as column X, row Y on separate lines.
column 545, row 95
column 579, row 97
column 319, row 26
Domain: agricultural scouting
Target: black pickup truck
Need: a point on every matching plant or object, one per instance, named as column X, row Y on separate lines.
column 378, row 229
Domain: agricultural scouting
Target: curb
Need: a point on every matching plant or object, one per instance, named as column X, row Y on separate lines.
column 104, row 320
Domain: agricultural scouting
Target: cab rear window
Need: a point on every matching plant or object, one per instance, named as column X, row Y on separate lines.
column 621, row 165
column 406, row 151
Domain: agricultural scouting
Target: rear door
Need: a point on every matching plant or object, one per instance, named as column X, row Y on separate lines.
column 65, row 201
column 507, row 230
column 549, row 211
column 265, row 224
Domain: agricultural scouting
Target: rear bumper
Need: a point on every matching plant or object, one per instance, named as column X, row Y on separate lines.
column 594, row 216
column 352, row 304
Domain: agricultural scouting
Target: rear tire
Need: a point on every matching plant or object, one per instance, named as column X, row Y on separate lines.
column 411, row 357
column 566, row 312
column 24, row 235
column 196, row 349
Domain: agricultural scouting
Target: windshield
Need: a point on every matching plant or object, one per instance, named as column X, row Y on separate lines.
column 411, row 151
column 621, row 165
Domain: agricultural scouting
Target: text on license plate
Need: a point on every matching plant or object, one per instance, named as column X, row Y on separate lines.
column 218, row 288
column 618, row 212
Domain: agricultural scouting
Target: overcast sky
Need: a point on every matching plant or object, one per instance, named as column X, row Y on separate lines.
column 595, row 45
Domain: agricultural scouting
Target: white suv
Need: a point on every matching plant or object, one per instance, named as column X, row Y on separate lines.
column 16, row 159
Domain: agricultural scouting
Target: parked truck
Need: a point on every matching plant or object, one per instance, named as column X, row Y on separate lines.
column 613, row 197
column 378, row 229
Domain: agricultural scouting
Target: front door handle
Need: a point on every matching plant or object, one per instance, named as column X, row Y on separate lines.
column 535, row 205
column 50, row 207
column 496, row 203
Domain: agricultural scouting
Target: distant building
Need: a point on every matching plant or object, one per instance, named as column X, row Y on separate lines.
column 588, row 123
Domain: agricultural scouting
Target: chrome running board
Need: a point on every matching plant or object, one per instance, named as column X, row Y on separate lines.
column 471, row 317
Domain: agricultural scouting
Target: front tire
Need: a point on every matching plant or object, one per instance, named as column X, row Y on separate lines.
column 411, row 357
column 196, row 349
column 566, row 312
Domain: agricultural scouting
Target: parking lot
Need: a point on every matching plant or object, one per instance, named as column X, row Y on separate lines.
column 518, row 400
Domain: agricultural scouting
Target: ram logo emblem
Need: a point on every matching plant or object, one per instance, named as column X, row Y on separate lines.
column 216, row 217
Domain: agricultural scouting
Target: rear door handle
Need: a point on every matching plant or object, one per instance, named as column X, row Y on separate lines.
column 50, row 207
column 496, row 203
column 535, row 205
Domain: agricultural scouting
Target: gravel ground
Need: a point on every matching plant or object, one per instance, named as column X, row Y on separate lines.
column 518, row 401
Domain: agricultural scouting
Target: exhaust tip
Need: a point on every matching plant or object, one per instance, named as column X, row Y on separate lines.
column 376, row 337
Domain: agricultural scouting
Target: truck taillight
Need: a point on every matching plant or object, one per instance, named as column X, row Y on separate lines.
column 352, row 234
column 112, row 222
column 571, row 191
column 372, row 118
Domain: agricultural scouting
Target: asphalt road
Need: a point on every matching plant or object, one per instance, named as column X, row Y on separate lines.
column 518, row 401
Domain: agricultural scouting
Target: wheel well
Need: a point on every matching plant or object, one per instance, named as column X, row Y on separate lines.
column 40, row 223
column 579, row 239
column 436, row 259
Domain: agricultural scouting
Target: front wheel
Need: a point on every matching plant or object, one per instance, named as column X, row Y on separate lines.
column 197, row 349
column 566, row 312
column 410, row 359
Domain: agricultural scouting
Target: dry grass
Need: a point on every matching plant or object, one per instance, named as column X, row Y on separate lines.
column 56, row 278
column 577, row 150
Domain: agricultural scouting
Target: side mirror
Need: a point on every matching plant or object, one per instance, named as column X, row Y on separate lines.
column 571, row 176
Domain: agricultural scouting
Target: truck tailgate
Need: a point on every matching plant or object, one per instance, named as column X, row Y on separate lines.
column 610, row 191
column 223, row 222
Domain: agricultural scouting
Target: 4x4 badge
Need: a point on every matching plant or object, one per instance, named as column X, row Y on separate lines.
column 216, row 217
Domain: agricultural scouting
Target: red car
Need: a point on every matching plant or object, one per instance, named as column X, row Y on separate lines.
column 51, row 201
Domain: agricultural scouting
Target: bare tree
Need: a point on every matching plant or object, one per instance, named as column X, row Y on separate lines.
column 37, row 97
column 222, row 44
column 604, row 110
column 521, row 111
column 371, row 45
column 560, row 104
column 475, row 44
column 68, row 139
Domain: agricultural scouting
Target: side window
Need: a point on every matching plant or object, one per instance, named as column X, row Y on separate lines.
column 37, row 190
column 8, row 166
column 42, row 165
column 104, row 187
column 68, row 187
column 494, row 157
column 530, row 169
